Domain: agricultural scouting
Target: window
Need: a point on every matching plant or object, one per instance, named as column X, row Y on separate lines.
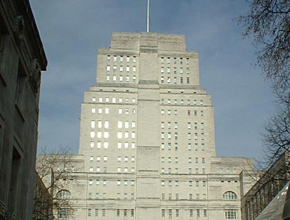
column 229, row 195
column 163, row 212
column 104, row 212
column 191, row 213
column 118, row 212
column 125, row 212
column 63, row 194
column 106, row 125
column 93, row 110
column 62, row 213
column 170, row 212
column 198, row 213
column 107, row 110
column 231, row 214
column 176, row 160
column 132, row 212
column 177, row 212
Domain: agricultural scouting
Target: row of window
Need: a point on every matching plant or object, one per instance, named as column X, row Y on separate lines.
column 114, row 100
column 116, row 58
column 125, row 212
column 168, row 70
column 189, row 146
column 63, row 213
column 189, row 112
column 104, row 196
column 176, row 160
column 190, row 171
column 119, row 182
column 119, row 169
column 229, row 214
column 181, row 102
column 190, row 196
column 105, row 159
column 174, row 60
column 106, row 134
column 169, row 212
column 189, row 125
column 105, row 145
column 168, row 80
column 189, row 136
column 121, row 68
column 176, row 183
column 105, row 124
column 132, row 170
column 120, row 78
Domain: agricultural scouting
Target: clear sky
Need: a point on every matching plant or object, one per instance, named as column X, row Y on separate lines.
column 72, row 31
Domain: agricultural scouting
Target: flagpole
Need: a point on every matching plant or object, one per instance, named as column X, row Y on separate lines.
column 148, row 15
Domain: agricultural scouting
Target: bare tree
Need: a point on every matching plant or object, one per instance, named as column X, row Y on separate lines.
column 55, row 170
column 268, row 22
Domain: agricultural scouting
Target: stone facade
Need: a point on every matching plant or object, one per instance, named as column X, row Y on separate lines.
column 266, row 188
column 147, row 138
column 22, row 59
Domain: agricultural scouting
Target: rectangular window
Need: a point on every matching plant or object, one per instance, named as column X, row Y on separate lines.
column 231, row 214
column 104, row 212
column 198, row 213
column 177, row 212
column 163, row 212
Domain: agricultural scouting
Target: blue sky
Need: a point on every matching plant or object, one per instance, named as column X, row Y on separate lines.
column 72, row 31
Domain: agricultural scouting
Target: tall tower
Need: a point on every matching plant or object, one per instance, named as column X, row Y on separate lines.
column 147, row 140
column 147, row 121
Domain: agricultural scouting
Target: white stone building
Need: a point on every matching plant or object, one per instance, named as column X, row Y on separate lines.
column 147, row 138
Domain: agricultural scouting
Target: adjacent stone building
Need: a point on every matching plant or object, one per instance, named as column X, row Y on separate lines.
column 266, row 188
column 147, row 139
column 22, row 59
